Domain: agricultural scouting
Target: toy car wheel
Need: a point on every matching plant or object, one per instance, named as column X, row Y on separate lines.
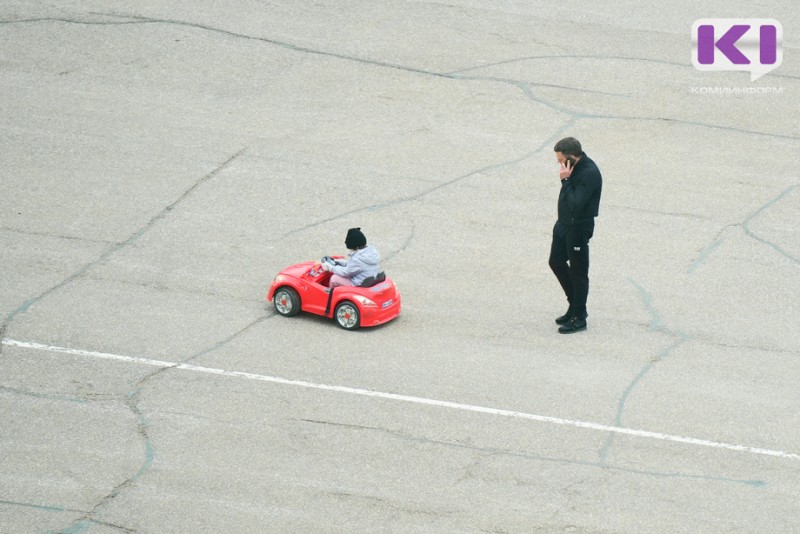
column 287, row 301
column 347, row 315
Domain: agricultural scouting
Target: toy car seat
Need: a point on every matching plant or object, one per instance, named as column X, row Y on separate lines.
column 372, row 280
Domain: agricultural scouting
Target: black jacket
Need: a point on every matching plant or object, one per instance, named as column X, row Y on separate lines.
column 579, row 199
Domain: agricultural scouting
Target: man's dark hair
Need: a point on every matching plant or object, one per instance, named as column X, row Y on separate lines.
column 569, row 146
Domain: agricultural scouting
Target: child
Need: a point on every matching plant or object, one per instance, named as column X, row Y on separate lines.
column 363, row 262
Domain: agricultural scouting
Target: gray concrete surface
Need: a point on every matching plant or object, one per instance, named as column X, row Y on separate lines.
column 162, row 162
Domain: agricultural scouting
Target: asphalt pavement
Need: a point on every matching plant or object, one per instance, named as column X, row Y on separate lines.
column 162, row 162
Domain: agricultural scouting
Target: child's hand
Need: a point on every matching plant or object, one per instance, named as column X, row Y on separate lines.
column 326, row 266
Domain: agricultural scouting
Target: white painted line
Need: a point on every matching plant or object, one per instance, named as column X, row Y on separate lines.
column 404, row 398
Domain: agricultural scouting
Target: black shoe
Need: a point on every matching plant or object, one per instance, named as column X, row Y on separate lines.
column 576, row 324
column 564, row 319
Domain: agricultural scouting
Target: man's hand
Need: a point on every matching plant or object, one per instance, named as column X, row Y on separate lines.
column 565, row 171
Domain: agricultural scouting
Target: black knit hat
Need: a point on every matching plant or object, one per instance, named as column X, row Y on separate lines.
column 355, row 239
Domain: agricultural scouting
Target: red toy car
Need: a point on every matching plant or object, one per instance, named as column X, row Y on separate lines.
column 305, row 287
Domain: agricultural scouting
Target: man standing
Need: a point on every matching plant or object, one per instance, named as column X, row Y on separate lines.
column 578, row 204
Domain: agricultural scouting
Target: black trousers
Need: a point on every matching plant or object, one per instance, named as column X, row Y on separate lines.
column 569, row 260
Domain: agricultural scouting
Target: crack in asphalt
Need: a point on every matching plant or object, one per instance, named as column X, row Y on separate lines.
column 55, row 236
column 441, row 185
column 745, row 226
column 47, row 396
column 404, row 246
column 496, row 452
column 136, row 19
column 454, row 75
column 402, row 200
column 133, row 398
column 750, row 233
column 570, row 56
column 132, row 401
column 25, row 306
column 656, row 325
column 40, row 507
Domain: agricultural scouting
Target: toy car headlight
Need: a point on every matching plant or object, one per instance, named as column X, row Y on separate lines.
column 364, row 300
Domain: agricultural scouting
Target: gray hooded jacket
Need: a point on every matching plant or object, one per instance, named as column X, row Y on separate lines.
column 361, row 264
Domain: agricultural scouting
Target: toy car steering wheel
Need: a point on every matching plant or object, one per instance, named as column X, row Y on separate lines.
column 328, row 259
